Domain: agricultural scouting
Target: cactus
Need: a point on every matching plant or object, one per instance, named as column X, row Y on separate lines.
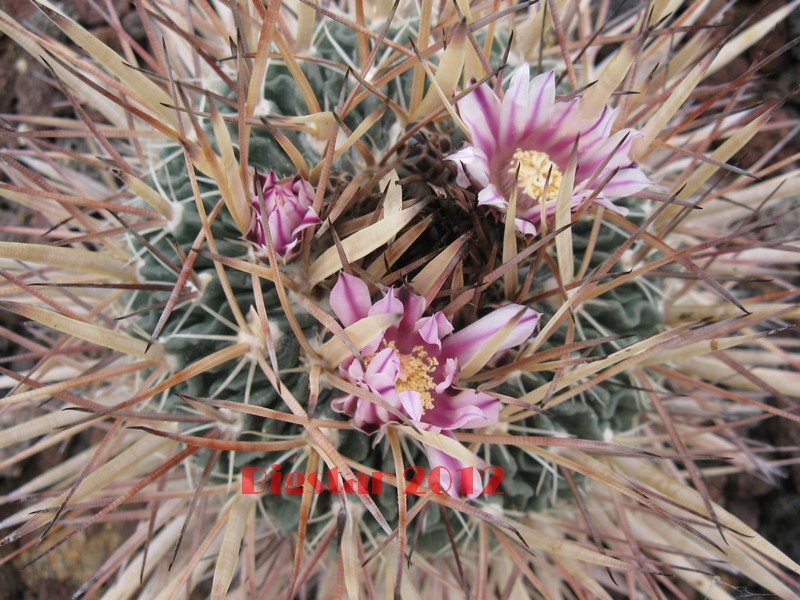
column 388, row 239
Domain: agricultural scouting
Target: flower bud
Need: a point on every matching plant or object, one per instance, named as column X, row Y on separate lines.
column 286, row 211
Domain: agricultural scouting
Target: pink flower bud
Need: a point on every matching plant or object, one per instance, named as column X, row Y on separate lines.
column 287, row 210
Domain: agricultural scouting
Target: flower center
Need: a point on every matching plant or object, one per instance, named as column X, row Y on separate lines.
column 415, row 374
column 533, row 170
column 416, row 371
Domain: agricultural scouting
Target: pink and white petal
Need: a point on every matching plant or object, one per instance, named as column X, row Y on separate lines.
column 451, row 466
column 566, row 119
column 268, row 180
column 542, row 95
column 345, row 405
column 433, row 329
column 383, row 385
column 413, row 308
column 289, row 251
column 372, row 346
column 611, row 154
column 471, row 160
column 350, row 299
column 390, row 304
column 579, row 195
column 525, row 226
column 270, row 199
column 480, row 111
column 450, row 374
column 626, row 182
column 354, row 370
column 565, row 127
column 604, row 202
column 412, row 404
column 280, row 231
column 595, row 131
column 370, row 417
column 466, row 409
column 272, row 178
column 256, row 233
column 392, row 398
column 492, row 196
column 302, row 189
column 386, row 362
column 514, row 110
column 465, row 343
column 309, row 219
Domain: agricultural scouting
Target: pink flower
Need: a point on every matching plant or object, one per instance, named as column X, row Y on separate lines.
column 531, row 130
column 414, row 366
column 289, row 211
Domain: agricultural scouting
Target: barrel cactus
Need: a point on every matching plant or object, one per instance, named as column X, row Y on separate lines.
column 422, row 299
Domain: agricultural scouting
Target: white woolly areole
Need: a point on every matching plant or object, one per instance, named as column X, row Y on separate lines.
column 608, row 435
column 334, row 436
column 233, row 424
column 176, row 218
column 253, row 335
column 264, row 108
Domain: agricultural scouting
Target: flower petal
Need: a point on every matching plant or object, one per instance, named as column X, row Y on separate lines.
column 267, row 181
column 370, row 417
column 433, row 329
column 463, row 344
column 450, row 373
column 308, row 219
column 466, row 409
column 303, row 190
column 620, row 210
column 350, row 299
column 355, row 370
column 413, row 308
column 386, row 362
column 412, row 404
column 387, row 305
column 525, row 226
column 471, row 160
column 611, row 154
column 480, row 111
column 626, row 182
column 451, row 466
column 542, row 98
column 492, row 196
column 564, row 127
column 594, row 131
column 287, row 211
column 280, row 231
column 345, row 405
column 515, row 111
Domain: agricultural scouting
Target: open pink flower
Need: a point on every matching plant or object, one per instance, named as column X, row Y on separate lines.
column 530, row 130
column 289, row 211
column 414, row 366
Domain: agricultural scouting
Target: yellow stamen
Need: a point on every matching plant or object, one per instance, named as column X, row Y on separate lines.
column 415, row 373
column 533, row 170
